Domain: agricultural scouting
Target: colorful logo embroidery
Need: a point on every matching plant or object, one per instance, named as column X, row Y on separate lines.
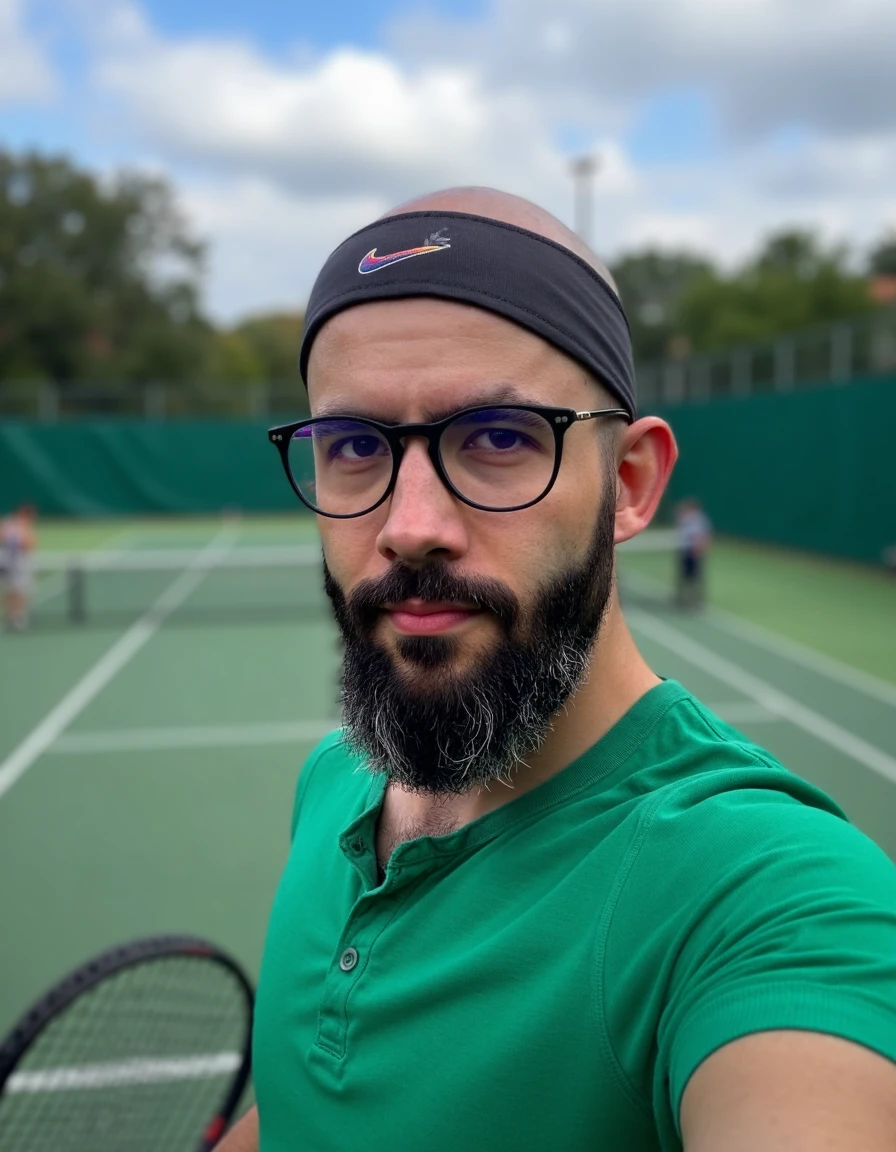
column 372, row 263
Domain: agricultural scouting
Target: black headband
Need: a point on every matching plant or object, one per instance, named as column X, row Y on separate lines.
column 516, row 273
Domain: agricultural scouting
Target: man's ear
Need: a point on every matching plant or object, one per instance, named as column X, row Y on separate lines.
column 646, row 454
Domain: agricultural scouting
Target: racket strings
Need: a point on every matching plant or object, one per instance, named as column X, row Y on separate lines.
column 140, row 1061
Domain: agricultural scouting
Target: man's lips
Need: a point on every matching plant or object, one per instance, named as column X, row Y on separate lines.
column 428, row 617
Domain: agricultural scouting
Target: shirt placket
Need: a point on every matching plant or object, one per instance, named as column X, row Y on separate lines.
column 373, row 909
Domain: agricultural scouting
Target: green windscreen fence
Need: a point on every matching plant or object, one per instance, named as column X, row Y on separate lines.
column 812, row 469
column 115, row 467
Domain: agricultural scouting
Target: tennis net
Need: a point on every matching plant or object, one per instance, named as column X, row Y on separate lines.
column 217, row 585
column 180, row 584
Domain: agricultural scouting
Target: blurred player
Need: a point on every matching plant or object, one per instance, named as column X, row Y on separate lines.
column 694, row 531
column 17, row 542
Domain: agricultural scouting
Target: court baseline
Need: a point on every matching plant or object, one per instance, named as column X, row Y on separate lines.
column 219, row 736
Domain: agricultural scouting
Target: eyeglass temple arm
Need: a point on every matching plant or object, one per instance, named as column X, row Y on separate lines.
column 602, row 412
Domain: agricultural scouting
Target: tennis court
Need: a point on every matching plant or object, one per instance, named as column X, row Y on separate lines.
column 148, row 754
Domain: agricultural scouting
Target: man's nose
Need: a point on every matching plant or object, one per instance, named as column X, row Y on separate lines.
column 424, row 519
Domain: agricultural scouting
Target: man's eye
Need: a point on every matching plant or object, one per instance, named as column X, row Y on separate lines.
column 497, row 439
column 357, row 447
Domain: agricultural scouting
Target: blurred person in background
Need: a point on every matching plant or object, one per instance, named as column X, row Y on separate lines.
column 18, row 540
column 694, row 530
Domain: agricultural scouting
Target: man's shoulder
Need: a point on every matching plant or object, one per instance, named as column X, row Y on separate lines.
column 720, row 802
column 702, row 779
column 330, row 774
column 328, row 747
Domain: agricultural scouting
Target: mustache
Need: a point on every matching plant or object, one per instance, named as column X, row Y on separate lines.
column 434, row 582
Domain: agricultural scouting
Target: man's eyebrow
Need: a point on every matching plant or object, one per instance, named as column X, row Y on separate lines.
column 492, row 394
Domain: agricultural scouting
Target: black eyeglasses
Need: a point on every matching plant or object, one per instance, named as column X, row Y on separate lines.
column 499, row 458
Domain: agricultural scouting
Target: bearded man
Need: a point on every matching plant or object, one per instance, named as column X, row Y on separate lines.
column 537, row 898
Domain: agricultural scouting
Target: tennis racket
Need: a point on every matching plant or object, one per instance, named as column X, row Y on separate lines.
column 145, row 1048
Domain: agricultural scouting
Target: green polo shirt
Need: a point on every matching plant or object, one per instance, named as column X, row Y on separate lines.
column 550, row 976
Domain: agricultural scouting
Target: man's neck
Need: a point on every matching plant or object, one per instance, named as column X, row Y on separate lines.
column 617, row 678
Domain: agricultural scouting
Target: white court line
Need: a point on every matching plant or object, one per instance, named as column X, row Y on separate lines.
column 763, row 693
column 219, row 736
column 807, row 657
column 111, row 663
column 811, row 658
column 125, row 1072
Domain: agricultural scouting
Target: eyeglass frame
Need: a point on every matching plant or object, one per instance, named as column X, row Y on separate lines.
column 559, row 419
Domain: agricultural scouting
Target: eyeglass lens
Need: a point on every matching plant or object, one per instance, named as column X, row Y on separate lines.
column 499, row 458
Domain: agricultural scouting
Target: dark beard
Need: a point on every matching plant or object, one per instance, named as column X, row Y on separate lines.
column 433, row 731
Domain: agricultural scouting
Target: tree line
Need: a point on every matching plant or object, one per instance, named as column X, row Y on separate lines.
column 100, row 282
column 680, row 302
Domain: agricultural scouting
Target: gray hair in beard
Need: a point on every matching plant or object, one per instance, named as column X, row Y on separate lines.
column 431, row 730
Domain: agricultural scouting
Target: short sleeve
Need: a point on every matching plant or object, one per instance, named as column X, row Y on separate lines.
column 746, row 912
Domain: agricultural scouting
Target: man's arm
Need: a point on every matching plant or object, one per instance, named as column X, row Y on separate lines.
column 791, row 1092
column 243, row 1136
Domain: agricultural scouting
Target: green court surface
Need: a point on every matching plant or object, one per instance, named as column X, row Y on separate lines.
column 148, row 759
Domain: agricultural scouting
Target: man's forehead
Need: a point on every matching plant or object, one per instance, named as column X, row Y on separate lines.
column 434, row 356
column 398, row 407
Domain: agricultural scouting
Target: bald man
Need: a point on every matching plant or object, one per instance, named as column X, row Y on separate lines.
column 537, row 897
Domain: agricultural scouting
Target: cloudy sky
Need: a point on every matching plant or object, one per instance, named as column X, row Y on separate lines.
column 286, row 126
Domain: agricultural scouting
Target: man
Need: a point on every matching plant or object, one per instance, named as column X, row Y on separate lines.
column 537, row 897
column 693, row 543
column 17, row 543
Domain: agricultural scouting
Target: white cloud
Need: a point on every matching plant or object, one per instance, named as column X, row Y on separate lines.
column 266, row 243
column 280, row 159
column 25, row 71
column 352, row 121
column 828, row 65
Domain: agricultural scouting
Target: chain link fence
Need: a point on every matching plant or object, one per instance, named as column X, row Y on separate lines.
column 835, row 354
column 52, row 402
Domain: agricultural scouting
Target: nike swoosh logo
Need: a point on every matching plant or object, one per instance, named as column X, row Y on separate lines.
column 373, row 263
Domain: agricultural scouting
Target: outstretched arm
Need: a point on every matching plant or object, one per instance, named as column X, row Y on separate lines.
column 791, row 1092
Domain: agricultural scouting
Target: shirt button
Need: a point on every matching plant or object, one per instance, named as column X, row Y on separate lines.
column 348, row 960
column 358, row 846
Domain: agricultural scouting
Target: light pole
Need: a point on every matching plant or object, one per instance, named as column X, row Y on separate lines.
column 583, row 169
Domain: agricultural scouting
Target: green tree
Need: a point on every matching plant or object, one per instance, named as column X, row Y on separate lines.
column 274, row 339
column 99, row 281
column 794, row 282
column 882, row 261
column 651, row 284
column 233, row 360
column 256, row 363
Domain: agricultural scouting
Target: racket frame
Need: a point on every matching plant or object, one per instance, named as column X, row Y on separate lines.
column 28, row 1028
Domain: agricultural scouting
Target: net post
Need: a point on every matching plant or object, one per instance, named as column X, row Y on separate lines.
column 77, row 599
